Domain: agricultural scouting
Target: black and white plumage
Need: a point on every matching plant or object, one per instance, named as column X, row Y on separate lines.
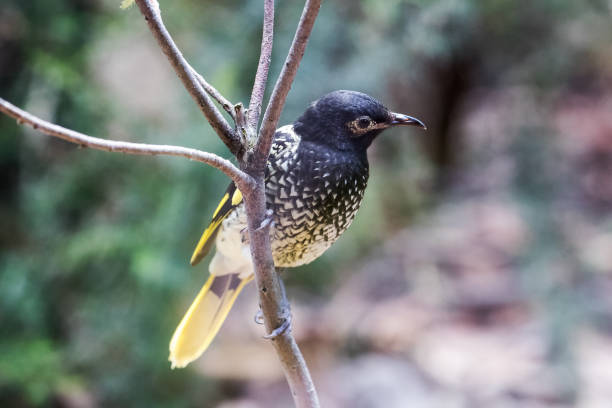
column 314, row 193
column 316, row 177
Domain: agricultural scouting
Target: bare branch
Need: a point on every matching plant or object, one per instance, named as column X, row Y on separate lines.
column 300, row 382
column 261, row 77
column 212, row 91
column 243, row 180
column 151, row 12
column 285, row 79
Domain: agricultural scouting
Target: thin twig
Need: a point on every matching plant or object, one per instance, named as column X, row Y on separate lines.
column 261, row 77
column 150, row 10
column 23, row 117
column 285, row 79
column 212, row 91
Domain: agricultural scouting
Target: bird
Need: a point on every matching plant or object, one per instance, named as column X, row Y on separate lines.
column 315, row 179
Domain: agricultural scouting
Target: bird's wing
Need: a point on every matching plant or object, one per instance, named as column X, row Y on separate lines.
column 231, row 199
column 284, row 145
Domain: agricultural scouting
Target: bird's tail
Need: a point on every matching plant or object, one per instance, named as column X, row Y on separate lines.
column 205, row 317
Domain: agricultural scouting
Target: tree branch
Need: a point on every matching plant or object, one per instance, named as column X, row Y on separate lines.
column 23, row 117
column 285, row 79
column 273, row 302
column 261, row 77
column 151, row 12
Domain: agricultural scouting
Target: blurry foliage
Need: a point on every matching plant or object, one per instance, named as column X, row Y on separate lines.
column 94, row 271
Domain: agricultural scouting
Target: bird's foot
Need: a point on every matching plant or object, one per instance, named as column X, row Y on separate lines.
column 259, row 319
column 267, row 222
column 285, row 325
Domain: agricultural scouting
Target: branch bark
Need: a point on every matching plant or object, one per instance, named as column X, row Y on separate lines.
column 261, row 77
column 152, row 14
column 48, row 128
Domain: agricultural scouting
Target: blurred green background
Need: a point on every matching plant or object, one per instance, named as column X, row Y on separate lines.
column 478, row 272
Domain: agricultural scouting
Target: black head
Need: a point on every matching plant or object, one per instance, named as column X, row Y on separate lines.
column 348, row 120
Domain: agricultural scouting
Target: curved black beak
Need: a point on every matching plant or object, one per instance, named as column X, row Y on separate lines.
column 399, row 119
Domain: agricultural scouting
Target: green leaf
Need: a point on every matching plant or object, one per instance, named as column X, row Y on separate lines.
column 126, row 3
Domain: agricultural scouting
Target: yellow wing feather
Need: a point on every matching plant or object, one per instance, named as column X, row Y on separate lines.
column 230, row 200
column 236, row 198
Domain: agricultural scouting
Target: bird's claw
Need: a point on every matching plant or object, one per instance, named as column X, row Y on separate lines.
column 285, row 325
column 268, row 221
column 259, row 319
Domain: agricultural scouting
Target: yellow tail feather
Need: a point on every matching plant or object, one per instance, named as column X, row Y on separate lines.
column 204, row 318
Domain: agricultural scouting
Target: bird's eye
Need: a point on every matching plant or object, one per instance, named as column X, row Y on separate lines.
column 361, row 125
column 364, row 122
